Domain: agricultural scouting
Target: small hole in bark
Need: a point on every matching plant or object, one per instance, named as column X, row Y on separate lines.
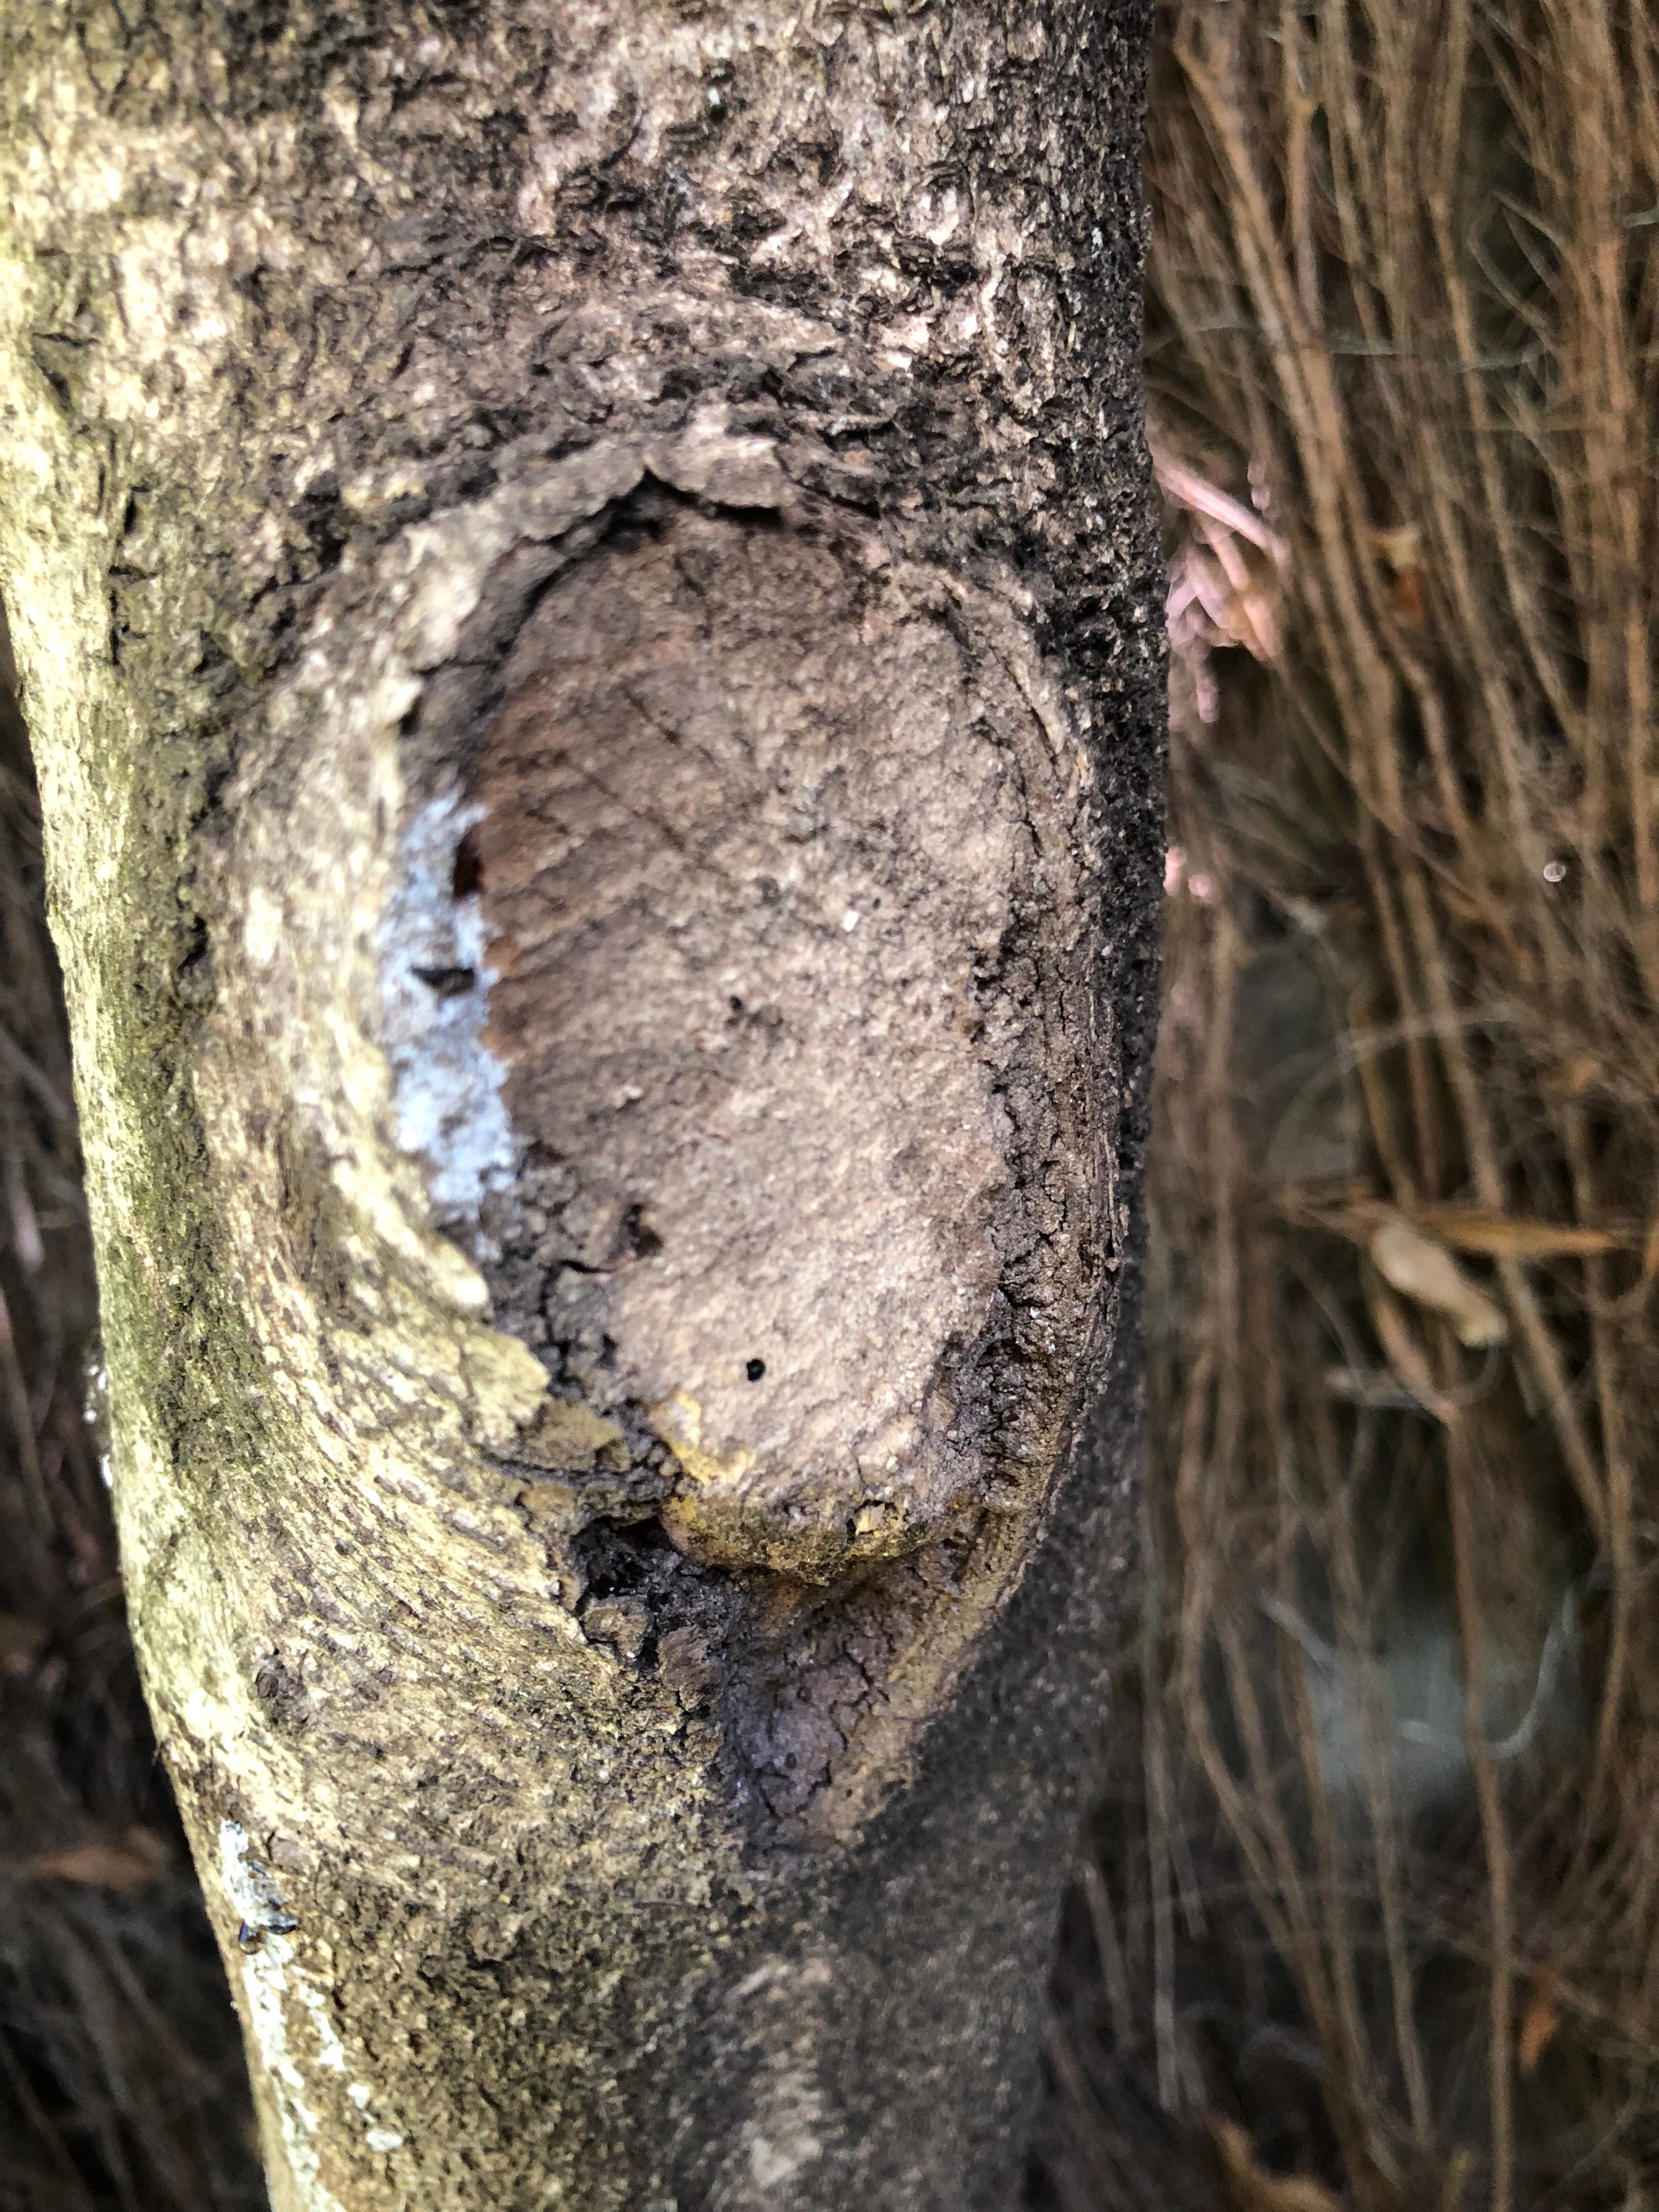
column 641, row 1239
column 448, row 982
column 322, row 516
column 754, row 1369
column 618, row 1559
column 467, row 880
column 193, row 982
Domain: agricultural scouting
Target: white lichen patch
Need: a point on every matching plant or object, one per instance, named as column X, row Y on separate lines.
column 273, row 1981
column 434, row 983
column 784, row 2134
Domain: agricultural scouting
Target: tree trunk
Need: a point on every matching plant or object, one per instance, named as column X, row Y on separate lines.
column 584, row 588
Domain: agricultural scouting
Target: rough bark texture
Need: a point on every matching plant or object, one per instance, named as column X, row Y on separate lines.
column 582, row 581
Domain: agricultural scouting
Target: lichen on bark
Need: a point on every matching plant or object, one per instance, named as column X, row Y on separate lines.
column 584, row 591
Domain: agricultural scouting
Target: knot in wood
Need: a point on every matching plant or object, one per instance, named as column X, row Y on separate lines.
column 780, row 876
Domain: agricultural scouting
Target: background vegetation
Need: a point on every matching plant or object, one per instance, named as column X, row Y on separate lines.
column 1376, row 1910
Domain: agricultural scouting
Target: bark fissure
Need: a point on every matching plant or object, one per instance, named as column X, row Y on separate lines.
column 582, row 581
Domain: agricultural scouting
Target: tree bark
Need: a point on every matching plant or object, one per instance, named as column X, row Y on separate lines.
column 583, row 590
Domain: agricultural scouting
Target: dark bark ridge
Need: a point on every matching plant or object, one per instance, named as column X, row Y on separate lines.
column 625, row 677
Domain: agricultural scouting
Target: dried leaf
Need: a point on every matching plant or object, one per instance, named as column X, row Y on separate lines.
column 1464, row 1228
column 1410, row 607
column 137, row 1860
column 1542, row 2017
column 1406, row 1358
column 1420, row 1268
column 1507, row 1236
column 1580, row 1075
column 1252, row 2188
column 1401, row 547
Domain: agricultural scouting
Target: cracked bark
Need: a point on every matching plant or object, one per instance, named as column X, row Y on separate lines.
column 583, row 585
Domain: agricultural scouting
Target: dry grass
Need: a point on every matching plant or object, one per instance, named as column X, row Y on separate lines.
column 1380, row 1881
column 121, row 2081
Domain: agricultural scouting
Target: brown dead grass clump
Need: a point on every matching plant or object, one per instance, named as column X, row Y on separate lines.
column 1377, row 1911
